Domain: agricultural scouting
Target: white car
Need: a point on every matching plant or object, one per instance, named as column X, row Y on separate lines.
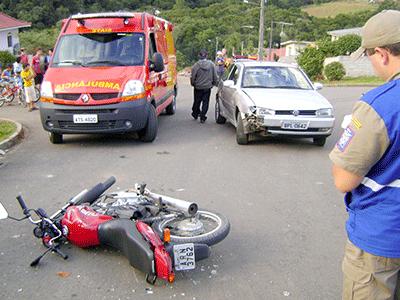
column 271, row 98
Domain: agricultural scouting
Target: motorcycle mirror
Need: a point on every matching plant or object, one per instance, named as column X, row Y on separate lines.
column 3, row 212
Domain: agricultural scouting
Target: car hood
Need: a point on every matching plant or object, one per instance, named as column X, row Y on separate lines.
column 287, row 99
column 93, row 79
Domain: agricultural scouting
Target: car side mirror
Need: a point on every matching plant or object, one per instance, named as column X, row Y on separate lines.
column 318, row 85
column 3, row 212
column 157, row 63
column 229, row 83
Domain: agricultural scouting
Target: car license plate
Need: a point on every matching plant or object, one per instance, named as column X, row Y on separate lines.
column 184, row 257
column 295, row 125
column 85, row 118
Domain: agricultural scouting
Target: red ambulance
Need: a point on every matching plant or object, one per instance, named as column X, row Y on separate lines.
column 110, row 73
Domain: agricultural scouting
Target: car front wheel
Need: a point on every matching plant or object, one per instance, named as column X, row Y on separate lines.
column 320, row 141
column 241, row 137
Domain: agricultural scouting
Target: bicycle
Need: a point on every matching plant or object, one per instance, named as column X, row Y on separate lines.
column 10, row 89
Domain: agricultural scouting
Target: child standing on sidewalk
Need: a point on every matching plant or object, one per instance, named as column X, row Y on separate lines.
column 28, row 76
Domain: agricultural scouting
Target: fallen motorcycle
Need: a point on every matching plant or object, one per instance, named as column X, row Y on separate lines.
column 158, row 234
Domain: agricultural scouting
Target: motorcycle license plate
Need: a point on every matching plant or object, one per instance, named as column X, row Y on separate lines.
column 295, row 125
column 81, row 118
column 184, row 257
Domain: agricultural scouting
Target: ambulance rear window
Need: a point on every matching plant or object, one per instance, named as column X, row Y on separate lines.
column 97, row 49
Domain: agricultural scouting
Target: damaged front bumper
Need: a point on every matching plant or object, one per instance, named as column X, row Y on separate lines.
column 301, row 126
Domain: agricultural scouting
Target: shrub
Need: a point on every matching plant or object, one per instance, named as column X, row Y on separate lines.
column 334, row 71
column 6, row 58
column 311, row 60
column 347, row 44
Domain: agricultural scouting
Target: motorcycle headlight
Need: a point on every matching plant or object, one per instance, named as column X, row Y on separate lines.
column 46, row 90
column 133, row 88
column 324, row 112
column 265, row 111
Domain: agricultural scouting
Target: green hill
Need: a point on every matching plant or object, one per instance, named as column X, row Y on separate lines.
column 332, row 9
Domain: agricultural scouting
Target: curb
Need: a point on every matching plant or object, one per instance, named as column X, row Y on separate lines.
column 14, row 138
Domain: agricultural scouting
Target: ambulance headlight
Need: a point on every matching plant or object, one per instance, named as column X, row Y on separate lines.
column 46, row 90
column 132, row 88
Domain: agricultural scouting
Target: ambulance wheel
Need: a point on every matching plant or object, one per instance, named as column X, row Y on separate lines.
column 171, row 108
column 319, row 141
column 55, row 138
column 149, row 133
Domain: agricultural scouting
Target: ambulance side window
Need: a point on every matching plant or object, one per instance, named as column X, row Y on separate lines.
column 152, row 45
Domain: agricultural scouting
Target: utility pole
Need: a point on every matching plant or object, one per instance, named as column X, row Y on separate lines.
column 261, row 32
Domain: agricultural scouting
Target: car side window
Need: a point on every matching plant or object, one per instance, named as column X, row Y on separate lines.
column 234, row 74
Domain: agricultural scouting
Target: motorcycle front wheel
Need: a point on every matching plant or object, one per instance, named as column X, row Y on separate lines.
column 205, row 227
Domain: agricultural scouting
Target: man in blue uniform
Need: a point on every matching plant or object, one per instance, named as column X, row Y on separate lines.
column 366, row 166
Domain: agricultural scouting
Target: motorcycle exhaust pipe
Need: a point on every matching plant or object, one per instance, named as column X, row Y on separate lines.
column 188, row 208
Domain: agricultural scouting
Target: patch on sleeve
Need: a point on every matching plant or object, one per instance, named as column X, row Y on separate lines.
column 356, row 123
column 345, row 139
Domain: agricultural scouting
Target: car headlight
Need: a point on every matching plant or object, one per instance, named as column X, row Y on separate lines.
column 261, row 111
column 324, row 112
column 265, row 111
column 132, row 88
column 46, row 90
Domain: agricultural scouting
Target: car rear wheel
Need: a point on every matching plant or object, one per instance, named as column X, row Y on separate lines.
column 241, row 137
column 320, row 141
column 55, row 138
column 218, row 117
column 149, row 133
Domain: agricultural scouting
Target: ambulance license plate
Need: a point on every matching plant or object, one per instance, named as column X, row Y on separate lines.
column 184, row 257
column 85, row 118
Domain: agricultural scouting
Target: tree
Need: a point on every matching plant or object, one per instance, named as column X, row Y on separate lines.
column 347, row 44
column 311, row 61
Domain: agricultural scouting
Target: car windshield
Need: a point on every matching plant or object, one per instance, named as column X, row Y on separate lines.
column 274, row 77
column 110, row 49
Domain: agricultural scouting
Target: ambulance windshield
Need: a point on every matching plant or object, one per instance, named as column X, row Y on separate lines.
column 94, row 49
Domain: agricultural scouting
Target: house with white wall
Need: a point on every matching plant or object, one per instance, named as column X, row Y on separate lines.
column 336, row 34
column 9, row 28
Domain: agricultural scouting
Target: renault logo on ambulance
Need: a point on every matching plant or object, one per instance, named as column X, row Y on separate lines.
column 85, row 98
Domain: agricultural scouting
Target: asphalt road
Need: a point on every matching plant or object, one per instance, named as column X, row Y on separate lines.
column 287, row 220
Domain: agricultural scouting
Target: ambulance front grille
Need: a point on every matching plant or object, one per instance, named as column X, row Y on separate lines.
column 104, row 96
column 71, row 97
column 95, row 126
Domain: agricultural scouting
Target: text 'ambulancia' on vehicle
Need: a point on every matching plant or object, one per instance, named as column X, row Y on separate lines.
column 110, row 73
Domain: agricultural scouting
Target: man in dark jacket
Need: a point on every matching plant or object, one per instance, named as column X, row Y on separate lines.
column 203, row 78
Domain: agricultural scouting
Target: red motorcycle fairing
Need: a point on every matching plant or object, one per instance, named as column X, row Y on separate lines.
column 162, row 258
column 80, row 225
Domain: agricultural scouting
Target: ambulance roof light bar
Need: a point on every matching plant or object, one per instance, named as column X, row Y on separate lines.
column 118, row 14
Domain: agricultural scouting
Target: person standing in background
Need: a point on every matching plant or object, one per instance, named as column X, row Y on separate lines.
column 28, row 76
column 203, row 78
column 36, row 66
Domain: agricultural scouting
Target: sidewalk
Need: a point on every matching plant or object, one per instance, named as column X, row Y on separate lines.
column 14, row 138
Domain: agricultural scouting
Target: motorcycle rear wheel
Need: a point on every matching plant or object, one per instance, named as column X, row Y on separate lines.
column 215, row 227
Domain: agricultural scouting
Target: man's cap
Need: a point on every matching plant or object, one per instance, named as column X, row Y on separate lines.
column 380, row 30
column 203, row 53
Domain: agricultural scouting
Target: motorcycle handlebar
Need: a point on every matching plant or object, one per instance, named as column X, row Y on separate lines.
column 95, row 192
column 23, row 205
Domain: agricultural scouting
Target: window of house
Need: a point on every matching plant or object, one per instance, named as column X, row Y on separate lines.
column 9, row 40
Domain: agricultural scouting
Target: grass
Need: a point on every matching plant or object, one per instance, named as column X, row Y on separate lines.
column 331, row 9
column 6, row 129
column 354, row 81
